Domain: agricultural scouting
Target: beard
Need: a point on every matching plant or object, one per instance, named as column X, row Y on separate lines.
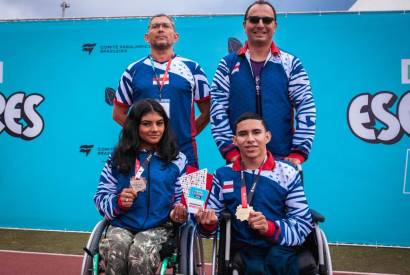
column 161, row 46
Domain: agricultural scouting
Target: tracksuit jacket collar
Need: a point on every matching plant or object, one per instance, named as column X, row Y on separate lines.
column 273, row 49
column 269, row 164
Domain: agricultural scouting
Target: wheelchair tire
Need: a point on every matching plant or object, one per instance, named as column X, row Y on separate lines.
column 184, row 248
column 327, row 257
column 192, row 255
column 92, row 246
column 197, row 263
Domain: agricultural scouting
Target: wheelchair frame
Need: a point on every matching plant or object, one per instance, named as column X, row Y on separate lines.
column 221, row 258
column 187, row 258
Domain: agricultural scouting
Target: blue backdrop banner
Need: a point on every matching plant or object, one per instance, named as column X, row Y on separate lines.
column 58, row 77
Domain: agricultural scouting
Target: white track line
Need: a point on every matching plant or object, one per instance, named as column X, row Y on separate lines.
column 40, row 253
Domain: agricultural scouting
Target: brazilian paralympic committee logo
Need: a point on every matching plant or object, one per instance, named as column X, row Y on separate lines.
column 103, row 151
column 19, row 116
column 89, row 47
column 86, row 149
column 112, row 48
column 371, row 119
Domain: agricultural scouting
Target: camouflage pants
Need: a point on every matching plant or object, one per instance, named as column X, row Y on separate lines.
column 128, row 253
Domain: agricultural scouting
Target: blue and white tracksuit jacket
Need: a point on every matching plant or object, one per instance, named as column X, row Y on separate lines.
column 151, row 207
column 186, row 83
column 285, row 87
column 279, row 195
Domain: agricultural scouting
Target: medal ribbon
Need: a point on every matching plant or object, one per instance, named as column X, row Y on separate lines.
column 246, row 199
column 138, row 169
column 157, row 78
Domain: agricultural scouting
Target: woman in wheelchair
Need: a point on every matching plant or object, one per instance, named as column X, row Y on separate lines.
column 265, row 197
column 139, row 192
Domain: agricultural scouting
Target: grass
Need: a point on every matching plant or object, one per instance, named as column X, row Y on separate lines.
column 347, row 258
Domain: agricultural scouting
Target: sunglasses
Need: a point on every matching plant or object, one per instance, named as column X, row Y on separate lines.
column 256, row 19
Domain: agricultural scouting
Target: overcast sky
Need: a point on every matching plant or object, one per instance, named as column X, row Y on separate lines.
column 23, row 9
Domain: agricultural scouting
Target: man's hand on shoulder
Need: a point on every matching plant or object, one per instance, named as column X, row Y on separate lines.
column 294, row 161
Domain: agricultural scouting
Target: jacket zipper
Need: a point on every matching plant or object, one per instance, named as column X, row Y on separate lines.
column 148, row 193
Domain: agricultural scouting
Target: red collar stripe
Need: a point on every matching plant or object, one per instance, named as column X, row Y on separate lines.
column 273, row 49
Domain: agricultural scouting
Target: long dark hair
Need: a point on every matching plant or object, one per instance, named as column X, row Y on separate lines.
column 126, row 151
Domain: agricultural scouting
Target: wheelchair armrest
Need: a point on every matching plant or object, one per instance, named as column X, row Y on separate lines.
column 316, row 216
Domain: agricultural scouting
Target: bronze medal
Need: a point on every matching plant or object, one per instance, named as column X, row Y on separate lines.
column 138, row 185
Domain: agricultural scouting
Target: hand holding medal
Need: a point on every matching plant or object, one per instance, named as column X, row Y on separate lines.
column 257, row 221
column 126, row 198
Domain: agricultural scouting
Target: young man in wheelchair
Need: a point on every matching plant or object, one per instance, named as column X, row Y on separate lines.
column 266, row 200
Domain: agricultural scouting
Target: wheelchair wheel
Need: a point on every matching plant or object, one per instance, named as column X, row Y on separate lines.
column 184, row 249
column 326, row 252
column 92, row 247
column 192, row 255
column 196, row 259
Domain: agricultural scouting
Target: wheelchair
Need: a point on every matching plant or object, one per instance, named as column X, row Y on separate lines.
column 313, row 256
column 183, row 254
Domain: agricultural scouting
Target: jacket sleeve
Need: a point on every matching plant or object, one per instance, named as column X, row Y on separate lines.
column 300, row 94
column 107, row 195
column 293, row 230
column 123, row 95
column 216, row 201
column 220, row 127
column 181, row 163
column 201, row 89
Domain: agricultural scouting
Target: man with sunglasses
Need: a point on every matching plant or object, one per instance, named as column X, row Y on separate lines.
column 174, row 81
column 263, row 79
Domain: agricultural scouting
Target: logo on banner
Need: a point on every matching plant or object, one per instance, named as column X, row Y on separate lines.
column 86, row 149
column 88, row 47
column 19, row 117
column 1, row 71
column 405, row 71
column 371, row 118
column 113, row 48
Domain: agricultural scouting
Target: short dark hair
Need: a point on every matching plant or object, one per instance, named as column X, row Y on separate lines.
column 260, row 2
column 162, row 15
column 126, row 151
column 249, row 115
